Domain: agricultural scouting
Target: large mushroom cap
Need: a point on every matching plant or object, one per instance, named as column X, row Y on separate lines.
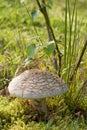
column 36, row 83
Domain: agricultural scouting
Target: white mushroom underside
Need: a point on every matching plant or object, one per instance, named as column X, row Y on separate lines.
column 35, row 84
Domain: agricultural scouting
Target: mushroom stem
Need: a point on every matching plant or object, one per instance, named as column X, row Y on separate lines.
column 39, row 105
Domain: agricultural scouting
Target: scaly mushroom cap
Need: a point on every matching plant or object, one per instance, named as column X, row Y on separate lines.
column 36, row 83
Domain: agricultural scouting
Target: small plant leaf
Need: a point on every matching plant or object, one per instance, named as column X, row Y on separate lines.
column 31, row 49
column 49, row 49
column 34, row 13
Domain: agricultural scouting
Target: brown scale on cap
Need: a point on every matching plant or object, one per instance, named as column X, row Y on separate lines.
column 36, row 84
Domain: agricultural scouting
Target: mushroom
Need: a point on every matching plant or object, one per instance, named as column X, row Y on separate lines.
column 37, row 84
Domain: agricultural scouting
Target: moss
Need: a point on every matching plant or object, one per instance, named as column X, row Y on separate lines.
column 15, row 114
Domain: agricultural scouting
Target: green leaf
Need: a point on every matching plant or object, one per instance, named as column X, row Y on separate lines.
column 49, row 49
column 31, row 49
column 34, row 13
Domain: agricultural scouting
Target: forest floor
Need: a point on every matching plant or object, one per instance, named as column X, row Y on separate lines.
column 17, row 31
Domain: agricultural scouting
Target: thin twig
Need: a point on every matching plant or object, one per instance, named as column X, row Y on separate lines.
column 78, row 62
column 51, row 35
